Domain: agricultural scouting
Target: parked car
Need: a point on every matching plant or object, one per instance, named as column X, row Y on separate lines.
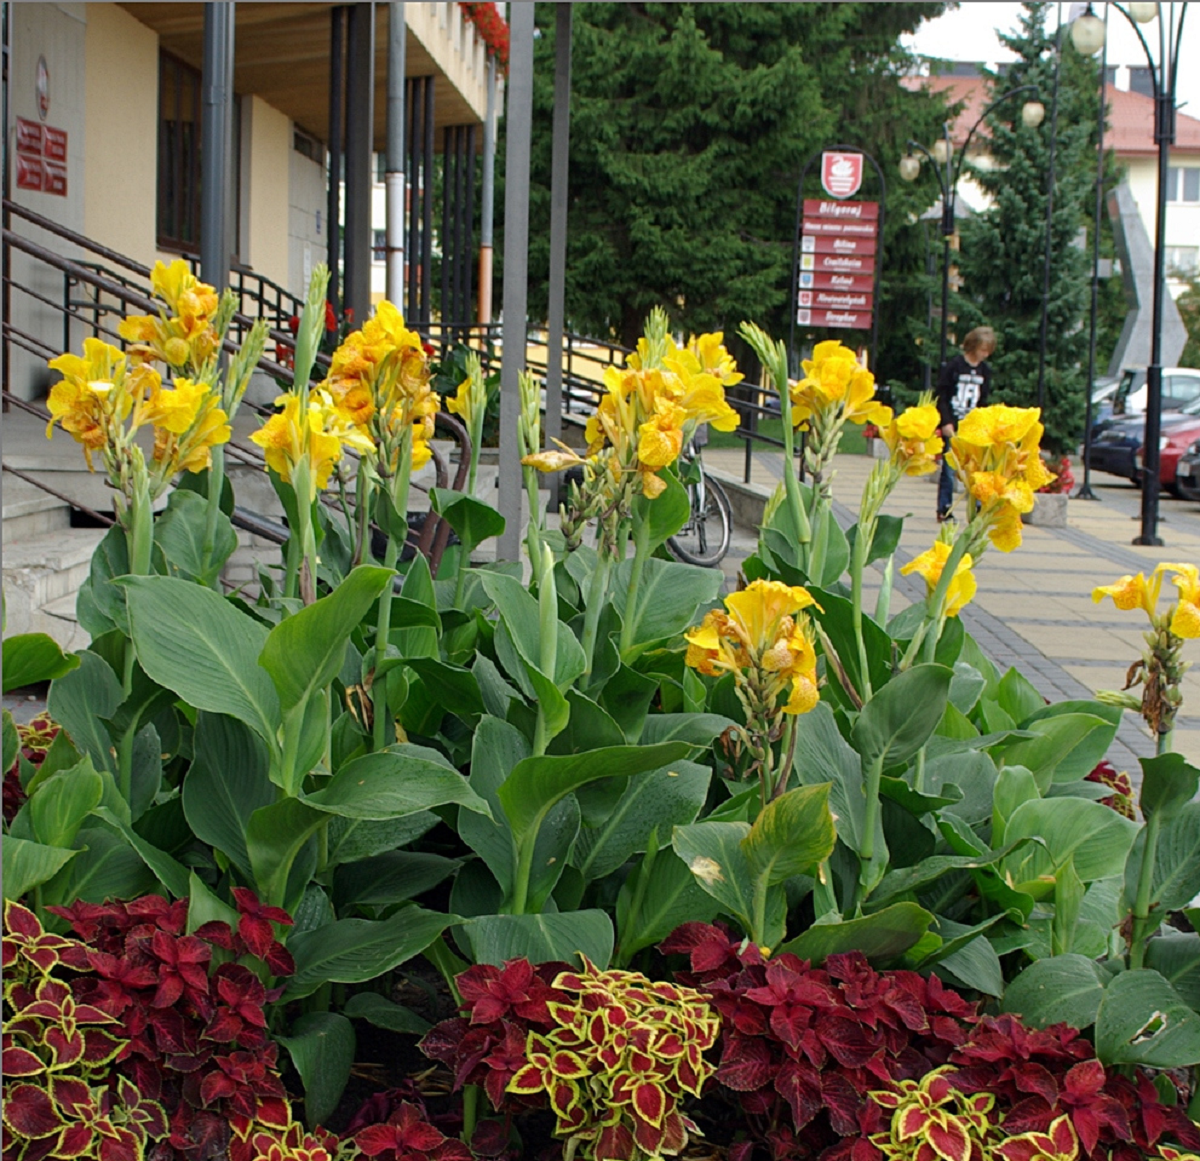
column 1187, row 472
column 1118, row 449
column 1181, row 386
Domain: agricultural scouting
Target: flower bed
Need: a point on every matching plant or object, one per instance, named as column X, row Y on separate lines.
column 637, row 867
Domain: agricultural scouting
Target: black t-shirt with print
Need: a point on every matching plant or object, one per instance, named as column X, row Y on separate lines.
column 961, row 388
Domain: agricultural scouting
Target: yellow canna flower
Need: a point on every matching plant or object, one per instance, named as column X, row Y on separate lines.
column 1132, row 592
column 759, row 639
column 660, row 438
column 287, row 437
column 1185, row 621
column 552, row 460
column 174, row 409
column 931, row 564
column 709, row 351
column 998, row 425
column 912, row 438
column 836, row 388
column 996, row 454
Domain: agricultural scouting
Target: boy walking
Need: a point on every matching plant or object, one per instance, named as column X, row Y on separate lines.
column 963, row 384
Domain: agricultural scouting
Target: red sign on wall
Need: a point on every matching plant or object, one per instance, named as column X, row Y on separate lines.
column 838, row 263
column 41, row 158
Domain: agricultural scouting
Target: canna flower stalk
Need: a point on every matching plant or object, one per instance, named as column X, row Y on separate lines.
column 1161, row 667
column 529, row 440
column 470, row 405
column 185, row 334
column 1160, row 673
column 836, row 390
column 766, row 641
column 648, row 412
column 913, row 440
column 996, row 454
column 379, row 381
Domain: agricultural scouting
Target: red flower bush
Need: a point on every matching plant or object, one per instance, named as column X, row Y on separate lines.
column 802, row 1047
column 492, row 29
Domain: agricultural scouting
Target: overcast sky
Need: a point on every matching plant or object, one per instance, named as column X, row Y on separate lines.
column 969, row 33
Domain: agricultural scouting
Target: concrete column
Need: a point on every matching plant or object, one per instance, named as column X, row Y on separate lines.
column 394, row 177
column 488, row 197
column 559, row 176
column 518, row 133
column 360, row 88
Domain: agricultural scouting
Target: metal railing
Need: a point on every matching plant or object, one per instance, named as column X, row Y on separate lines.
column 97, row 294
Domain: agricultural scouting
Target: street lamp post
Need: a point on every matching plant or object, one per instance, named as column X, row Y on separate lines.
column 1089, row 35
column 948, row 170
column 1163, row 75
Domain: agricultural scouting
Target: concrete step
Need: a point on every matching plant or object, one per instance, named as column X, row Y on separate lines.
column 43, row 571
column 30, row 512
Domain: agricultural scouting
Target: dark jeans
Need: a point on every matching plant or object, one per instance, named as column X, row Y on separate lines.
column 945, row 488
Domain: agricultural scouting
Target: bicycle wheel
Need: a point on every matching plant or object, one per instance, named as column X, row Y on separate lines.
column 704, row 539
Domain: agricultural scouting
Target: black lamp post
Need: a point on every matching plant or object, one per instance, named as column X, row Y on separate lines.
column 1089, row 33
column 948, row 170
column 1163, row 75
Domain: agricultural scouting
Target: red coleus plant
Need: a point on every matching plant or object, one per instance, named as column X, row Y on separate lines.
column 486, row 1046
column 36, row 737
column 622, row 1055
column 1121, row 800
column 1039, row 1075
column 191, row 1013
column 802, row 1047
column 407, row 1135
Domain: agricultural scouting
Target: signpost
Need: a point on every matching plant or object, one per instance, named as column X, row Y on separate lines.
column 838, row 247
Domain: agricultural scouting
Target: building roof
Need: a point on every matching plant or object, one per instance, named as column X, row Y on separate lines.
column 1130, row 131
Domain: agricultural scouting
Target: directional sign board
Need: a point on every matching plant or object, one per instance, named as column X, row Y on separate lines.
column 839, row 239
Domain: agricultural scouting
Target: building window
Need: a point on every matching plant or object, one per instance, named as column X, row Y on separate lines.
column 1183, row 184
column 1183, row 261
column 1141, row 81
column 178, row 155
column 379, row 246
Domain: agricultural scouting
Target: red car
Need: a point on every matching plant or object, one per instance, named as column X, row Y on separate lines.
column 1173, row 443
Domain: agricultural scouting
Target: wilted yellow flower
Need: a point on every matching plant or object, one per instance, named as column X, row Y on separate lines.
column 760, row 640
column 552, row 460
column 932, row 563
column 288, row 437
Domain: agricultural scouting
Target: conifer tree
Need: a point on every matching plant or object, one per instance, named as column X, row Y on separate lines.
column 690, row 123
column 1003, row 249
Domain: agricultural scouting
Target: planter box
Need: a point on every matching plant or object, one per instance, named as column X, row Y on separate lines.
column 1049, row 510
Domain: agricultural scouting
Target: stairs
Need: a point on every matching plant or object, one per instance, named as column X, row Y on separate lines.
column 45, row 562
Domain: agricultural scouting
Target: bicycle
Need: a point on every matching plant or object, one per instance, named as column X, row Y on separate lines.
column 704, row 539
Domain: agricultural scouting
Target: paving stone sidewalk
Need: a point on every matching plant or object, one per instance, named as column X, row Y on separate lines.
column 1033, row 608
